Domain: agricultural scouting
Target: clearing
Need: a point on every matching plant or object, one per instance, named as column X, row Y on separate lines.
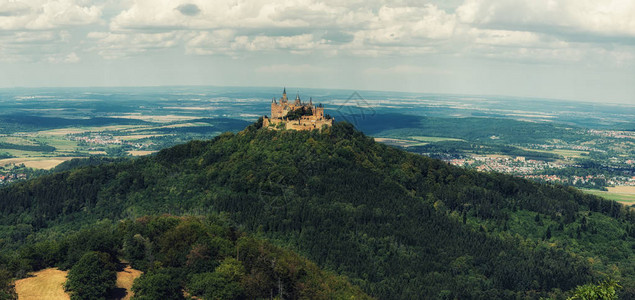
column 49, row 284
column 44, row 284
column 125, row 279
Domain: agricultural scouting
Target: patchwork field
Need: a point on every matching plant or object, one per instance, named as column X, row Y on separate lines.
column 621, row 194
column 35, row 162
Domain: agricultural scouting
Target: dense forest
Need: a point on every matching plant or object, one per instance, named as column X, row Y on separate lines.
column 206, row 257
column 399, row 225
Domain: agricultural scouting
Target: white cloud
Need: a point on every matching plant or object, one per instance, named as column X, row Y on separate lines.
column 43, row 14
column 599, row 17
column 403, row 70
column 297, row 26
column 522, row 30
column 32, row 46
column 69, row 58
column 287, row 68
column 117, row 45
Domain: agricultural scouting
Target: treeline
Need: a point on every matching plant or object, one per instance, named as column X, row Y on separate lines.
column 205, row 257
column 474, row 129
column 29, row 121
column 397, row 224
column 84, row 162
column 461, row 147
column 39, row 147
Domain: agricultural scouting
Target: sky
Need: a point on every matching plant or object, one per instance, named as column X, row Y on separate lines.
column 568, row 49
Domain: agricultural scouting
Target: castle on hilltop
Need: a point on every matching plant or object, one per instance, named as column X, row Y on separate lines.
column 296, row 115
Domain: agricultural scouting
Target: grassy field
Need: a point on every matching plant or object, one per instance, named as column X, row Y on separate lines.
column 621, row 194
column 125, row 280
column 48, row 284
column 433, row 139
column 413, row 140
column 65, row 131
column 397, row 142
column 562, row 152
column 61, row 144
column 44, row 284
column 46, row 163
column 140, row 152
column 17, row 140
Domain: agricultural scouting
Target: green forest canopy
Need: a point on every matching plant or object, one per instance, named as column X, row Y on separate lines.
column 397, row 224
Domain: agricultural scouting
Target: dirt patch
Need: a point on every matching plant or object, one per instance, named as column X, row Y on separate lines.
column 44, row 284
column 49, row 284
column 125, row 279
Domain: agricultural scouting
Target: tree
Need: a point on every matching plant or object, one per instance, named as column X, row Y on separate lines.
column 7, row 290
column 605, row 290
column 157, row 285
column 223, row 283
column 92, row 277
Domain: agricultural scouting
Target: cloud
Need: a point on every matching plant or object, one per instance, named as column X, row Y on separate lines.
column 287, row 68
column 13, row 9
column 188, row 9
column 118, row 45
column 564, row 17
column 42, row 14
column 298, row 26
column 69, row 58
column 522, row 30
column 33, row 46
column 403, row 70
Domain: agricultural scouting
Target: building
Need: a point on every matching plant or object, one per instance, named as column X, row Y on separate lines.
column 296, row 115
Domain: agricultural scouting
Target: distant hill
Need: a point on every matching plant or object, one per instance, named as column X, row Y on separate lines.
column 399, row 225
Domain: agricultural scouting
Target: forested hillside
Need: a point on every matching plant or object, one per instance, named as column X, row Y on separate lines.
column 203, row 257
column 399, row 225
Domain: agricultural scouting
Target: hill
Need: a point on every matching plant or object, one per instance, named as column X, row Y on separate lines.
column 397, row 224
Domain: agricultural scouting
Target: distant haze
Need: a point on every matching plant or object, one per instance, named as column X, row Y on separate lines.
column 570, row 49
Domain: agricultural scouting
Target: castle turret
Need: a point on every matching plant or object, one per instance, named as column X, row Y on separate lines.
column 297, row 99
column 284, row 95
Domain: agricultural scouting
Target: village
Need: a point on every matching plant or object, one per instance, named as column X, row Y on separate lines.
column 538, row 170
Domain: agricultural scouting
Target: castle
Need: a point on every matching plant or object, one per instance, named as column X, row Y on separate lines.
column 296, row 115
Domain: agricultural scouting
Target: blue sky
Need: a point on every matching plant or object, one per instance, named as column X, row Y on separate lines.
column 570, row 49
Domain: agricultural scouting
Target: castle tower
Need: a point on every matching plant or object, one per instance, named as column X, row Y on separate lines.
column 297, row 99
column 318, row 111
column 284, row 95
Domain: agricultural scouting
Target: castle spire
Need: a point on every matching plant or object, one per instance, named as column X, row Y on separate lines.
column 284, row 91
column 311, row 101
column 297, row 99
